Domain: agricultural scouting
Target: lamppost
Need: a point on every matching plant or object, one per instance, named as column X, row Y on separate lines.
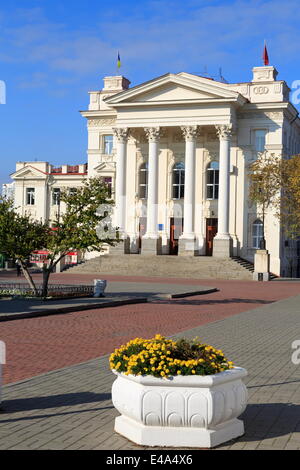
column 262, row 243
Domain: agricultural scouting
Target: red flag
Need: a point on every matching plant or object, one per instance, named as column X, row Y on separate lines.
column 265, row 56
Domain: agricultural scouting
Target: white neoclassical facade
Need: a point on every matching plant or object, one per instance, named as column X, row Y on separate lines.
column 176, row 152
column 177, row 149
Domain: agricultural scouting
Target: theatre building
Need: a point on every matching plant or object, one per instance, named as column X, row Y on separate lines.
column 176, row 152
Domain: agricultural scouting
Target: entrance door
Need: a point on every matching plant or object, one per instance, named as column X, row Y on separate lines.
column 142, row 230
column 211, row 230
column 176, row 228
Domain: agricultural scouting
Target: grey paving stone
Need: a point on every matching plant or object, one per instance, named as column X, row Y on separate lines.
column 71, row 408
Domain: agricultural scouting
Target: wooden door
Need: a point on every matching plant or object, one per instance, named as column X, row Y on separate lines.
column 211, row 231
column 142, row 229
column 176, row 227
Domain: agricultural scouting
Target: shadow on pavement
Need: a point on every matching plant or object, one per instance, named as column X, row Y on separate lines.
column 53, row 401
column 270, row 420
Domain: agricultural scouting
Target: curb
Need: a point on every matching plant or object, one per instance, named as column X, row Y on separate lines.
column 77, row 308
column 112, row 303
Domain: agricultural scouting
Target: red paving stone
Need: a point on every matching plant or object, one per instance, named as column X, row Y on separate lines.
column 39, row 345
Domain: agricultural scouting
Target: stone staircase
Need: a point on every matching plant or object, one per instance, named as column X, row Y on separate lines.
column 190, row 267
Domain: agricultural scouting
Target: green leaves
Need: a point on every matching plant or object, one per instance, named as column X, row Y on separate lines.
column 83, row 225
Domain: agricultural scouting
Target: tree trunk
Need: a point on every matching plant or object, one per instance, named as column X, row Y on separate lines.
column 46, row 275
column 28, row 277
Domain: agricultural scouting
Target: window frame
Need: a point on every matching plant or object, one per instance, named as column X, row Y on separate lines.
column 215, row 184
column 259, row 148
column 56, row 193
column 178, row 168
column 30, row 196
column 143, row 194
column 258, row 236
column 110, row 143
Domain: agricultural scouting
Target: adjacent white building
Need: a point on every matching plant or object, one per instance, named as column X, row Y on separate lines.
column 176, row 151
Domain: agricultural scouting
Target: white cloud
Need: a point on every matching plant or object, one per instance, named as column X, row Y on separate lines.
column 174, row 36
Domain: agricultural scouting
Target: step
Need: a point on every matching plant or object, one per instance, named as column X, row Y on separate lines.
column 165, row 266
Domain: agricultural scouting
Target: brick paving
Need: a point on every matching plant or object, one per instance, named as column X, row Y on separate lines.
column 38, row 345
column 71, row 408
column 57, row 392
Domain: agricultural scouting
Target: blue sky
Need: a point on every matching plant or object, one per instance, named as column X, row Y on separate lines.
column 53, row 52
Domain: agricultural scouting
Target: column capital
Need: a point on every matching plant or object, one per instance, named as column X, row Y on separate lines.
column 224, row 131
column 153, row 133
column 121, row 134
column 189, row 133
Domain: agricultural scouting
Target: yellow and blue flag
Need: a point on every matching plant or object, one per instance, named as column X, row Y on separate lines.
column 119, row 61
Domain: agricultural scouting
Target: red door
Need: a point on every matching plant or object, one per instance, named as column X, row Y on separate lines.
column 211, row 230
column 176, row 226
column 142, row 229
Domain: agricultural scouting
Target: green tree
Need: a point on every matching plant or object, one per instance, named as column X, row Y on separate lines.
column 264, row 185
column 19, row 237
column 84, row 225
column 289, row 212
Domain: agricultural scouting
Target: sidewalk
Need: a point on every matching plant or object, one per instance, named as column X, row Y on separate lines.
column 71, row 408
column 117, row 293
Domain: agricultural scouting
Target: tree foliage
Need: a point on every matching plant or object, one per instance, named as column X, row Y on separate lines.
column 290, row 197
column 19, row 236
column 275, row 182
column 83, row 225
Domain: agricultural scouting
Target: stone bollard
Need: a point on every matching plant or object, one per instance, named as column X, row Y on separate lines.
column 99, row 287
column 261, row 266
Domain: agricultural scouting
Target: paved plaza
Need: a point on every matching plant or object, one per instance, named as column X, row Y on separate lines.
column 66, row 404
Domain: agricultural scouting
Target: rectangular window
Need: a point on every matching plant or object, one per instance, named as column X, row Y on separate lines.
column 108, row 181
column 56, row 197
column 108, row 144
column 257, row 235
column 30, row 196
column 260, row 140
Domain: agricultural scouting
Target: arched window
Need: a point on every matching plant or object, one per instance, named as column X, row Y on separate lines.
column 178, row 181
column 143, row 181
column 212, row 181
column 257, row 233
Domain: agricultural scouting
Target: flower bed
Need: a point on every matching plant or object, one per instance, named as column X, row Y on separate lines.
column 163, row 357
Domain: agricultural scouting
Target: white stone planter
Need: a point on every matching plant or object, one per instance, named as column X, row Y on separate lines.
column 183, row 411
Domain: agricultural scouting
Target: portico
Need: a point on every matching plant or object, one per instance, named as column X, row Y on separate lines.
column 149, row 116
column 188, row 242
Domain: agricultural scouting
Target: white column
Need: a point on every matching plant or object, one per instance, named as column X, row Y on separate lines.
column 151, row 237
column 190, row 134
column 153, row 134
column 121, row 136
column 187, row 239
column 222, row 241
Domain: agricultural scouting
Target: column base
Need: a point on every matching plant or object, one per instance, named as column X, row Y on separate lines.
column 200, row 245
column 121, row 248
column 222, row 248
column 133, row 244
column 151, row 246
column 186, row 247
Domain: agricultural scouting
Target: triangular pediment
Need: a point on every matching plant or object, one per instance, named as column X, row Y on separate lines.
column 105, row 167
column 29, row 172
column 175, row 88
